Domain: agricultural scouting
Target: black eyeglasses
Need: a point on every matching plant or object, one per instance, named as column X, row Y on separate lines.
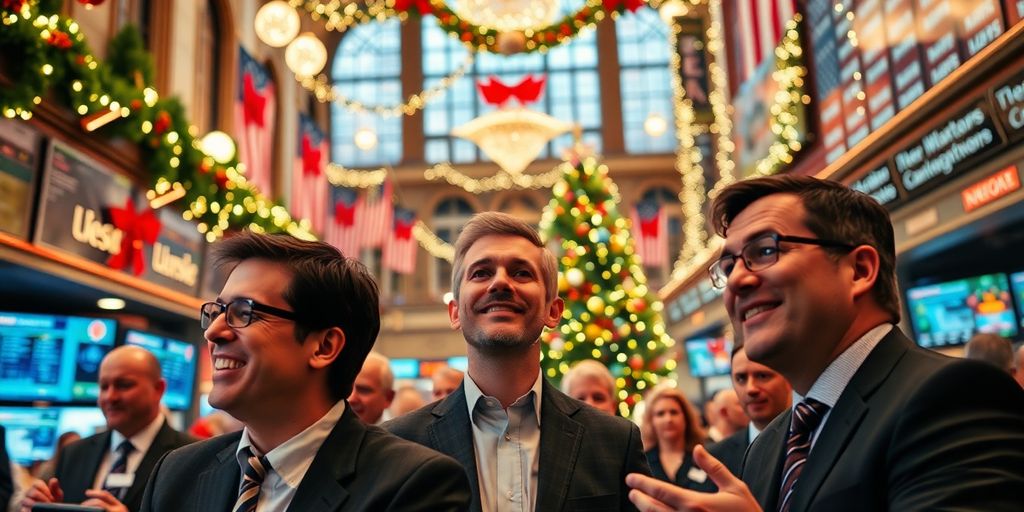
column 239, row 312
column 761, row 253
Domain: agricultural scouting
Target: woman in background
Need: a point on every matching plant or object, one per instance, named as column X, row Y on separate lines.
column 671, row 430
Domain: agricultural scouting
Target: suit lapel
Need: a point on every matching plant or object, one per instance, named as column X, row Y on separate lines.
column 560, row 440
column 451, row 433
column 322, row 487
column 846, row 416
column 766, row 452
column 162, row 443
column 218, row 486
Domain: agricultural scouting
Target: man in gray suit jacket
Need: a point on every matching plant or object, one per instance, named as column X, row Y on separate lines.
column 287, row 337
column 93, row 471
column 523, row 443
column 808, row 268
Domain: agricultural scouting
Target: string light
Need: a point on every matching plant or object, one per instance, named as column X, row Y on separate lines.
column 432, row 243
column 501, row 181
column 340, row 176
column 787, row 111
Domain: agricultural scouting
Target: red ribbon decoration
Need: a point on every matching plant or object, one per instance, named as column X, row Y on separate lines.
column 138, row 228
column 497, row 93
column 310, row 157
column 252, row 102
column 632, row 5
column 423, row 6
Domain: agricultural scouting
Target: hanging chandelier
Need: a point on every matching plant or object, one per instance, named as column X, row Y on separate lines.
column 508, row 15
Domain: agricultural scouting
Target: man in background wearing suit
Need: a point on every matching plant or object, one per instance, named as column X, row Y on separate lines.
column 524, row 444
column 110, row 470
column 808, row 268
column 763, row 394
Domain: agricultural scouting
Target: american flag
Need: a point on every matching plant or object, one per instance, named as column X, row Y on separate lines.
column 827, row 81
column 255, row 109
column 400, row 246
column 650, row 230
column 342, row 228
column 759, row 31
column 309, row 184
column 375, row 215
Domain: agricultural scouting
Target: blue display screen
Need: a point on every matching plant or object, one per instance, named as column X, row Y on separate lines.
column 52, row 358
column 1017, row 283
column 178, row 361
column 708, row 356
column 32, row 432
column 949, row 313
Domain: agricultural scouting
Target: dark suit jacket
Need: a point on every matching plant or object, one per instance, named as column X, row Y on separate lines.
column 730, row 451
column 79, row 462
column 682, row 474
column 359, row 467
column 585, row 454
column 6, row 484
column 913, row 430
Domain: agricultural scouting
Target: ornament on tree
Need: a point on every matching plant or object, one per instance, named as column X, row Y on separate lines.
column 59, row 40
column 162, row 122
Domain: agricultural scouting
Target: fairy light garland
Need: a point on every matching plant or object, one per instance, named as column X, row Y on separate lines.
column 785, row 114
column 340, row 176
column 719, row 98
column 432, row 243
column 500, row 181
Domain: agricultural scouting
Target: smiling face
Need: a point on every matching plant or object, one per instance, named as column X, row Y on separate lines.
column 130, row 389
column 502, row 304
column 795, row 313
column 259, row 369
column 763, row 393
column 669, row 421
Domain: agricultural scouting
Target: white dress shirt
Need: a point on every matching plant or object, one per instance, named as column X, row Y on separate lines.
column 142, row 440
column 833, row 381
column 289, row 461
column 507, row 447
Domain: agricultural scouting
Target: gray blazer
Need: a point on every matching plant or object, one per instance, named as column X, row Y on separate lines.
column 585, row 454
column 913, row 430
column 359, row 467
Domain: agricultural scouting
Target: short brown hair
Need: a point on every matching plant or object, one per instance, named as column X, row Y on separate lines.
column 694, row 432
column 834, row 212
column 497, row 223
column 327, row 290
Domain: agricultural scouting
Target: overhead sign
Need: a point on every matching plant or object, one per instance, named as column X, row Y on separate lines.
column 991, row 188
column 20, row 149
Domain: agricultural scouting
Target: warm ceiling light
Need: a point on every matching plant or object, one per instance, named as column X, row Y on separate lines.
column 655, row 125
column 110, row 303
column 365, row 139
column 277, row 23
column 306, row 55
column 219, row 145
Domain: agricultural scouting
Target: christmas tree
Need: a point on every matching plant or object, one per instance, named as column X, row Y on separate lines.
column 610, row 314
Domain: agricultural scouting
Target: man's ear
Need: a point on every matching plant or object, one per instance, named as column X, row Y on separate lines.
column 330, row 343
column 453, row 314
column 866, row 262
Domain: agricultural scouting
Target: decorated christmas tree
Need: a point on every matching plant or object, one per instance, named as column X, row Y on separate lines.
column 610, row 313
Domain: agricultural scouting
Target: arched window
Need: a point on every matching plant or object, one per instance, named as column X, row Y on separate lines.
column 367, row 68
column 522, row 206
column 450, row 216
column 570, row 94
column 670, row 201
column 646, row 85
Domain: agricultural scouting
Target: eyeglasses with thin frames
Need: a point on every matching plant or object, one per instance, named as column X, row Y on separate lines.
column 239, row 312
column 761, row 253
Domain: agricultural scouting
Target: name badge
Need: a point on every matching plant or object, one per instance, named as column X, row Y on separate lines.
column 697, row 475
column 120, row 480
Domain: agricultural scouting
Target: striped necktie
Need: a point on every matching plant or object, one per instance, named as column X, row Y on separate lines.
column 120, row 466
column 806, row 417
column 253, row 472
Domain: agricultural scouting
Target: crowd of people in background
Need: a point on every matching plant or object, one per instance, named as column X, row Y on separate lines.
column 830, row 406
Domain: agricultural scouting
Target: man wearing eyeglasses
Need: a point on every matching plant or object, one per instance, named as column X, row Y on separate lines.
column 808, row 268
column 287, row 336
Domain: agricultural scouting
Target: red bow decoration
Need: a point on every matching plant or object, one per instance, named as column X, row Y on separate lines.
column 252, row 102
column 310, row 157
column 138, row 228
column 613, row 5
column 526, row 91
column 423, row 6
column 59, row 40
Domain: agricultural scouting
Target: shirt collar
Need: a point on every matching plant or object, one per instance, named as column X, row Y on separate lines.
column 142, row 439
column 473, row 394
column 752, row 432
column 831, row 383
column 291, row 459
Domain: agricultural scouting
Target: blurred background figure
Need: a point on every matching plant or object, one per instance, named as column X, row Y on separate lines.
column 446, row 379
column 1019, row 365
column 728, row 415
column 6, row 482
column 214, row 424
column 49, row 466
column 373, row 390
column 407, row 399
column 670, row 431
column 992, row 349
column 590, row 382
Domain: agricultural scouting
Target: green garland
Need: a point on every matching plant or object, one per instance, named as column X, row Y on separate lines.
column 47, row 54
